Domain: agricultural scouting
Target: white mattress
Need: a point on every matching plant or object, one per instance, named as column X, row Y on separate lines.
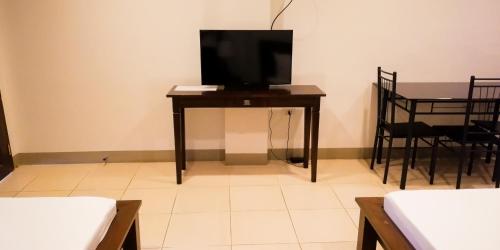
column 54, row 223
column 447, row 219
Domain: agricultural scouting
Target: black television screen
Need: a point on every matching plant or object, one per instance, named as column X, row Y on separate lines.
column 236, row 58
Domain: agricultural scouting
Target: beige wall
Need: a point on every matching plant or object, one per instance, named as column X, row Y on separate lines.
column 339, row 44
column 92, row 75
column 246, row 131
column 7, row 87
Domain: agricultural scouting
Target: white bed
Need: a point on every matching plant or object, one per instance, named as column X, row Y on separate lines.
column 447, row 219
column 54, row 223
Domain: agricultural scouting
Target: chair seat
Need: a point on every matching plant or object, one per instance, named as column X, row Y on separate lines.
column 420, row 129
column 456, row 134
column 487, row 125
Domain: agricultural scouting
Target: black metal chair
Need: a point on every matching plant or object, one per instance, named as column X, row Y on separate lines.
column 480, row 126
column 387, row 99
column 488, row 124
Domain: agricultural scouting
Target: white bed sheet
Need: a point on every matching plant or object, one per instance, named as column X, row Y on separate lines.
column 447, row 219
column 54, row 223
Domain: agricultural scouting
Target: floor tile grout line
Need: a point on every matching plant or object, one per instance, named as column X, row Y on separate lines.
column 170, row 218
column 29, row 182
column 23, row 189
column 326, row 242
column 131, row 179
column 81, row 180
column 230, row 217
column 14, row 192
column 95, row 189
column 342, row 204
column 332, row 189
column 171, row 210
column 290, row 217
column 163, row 241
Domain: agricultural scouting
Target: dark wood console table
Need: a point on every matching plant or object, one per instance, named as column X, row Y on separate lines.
column 306, row 96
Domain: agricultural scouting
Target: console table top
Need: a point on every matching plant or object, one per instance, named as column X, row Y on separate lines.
column 273, row 91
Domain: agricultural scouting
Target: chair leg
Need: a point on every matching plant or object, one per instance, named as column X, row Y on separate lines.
column 496, row 170
column 432, row 168
column 471, row 159
column 460, row 166
column 375, row 148
column 489, row 153
column 497, row 182
column 380, row 145
column 388, row 159
column 414, row 155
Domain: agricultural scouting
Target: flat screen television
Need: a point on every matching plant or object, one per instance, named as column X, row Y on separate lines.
column 246, row 58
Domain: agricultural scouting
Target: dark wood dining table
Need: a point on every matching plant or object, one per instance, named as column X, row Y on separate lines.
column 439, row 98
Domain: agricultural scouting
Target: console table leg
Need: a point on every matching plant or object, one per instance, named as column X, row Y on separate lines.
column 307, row 135
column 314, row 146
column 183, row 139
column 178, row 150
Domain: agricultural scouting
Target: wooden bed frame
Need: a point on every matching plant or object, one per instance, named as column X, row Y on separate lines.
column 375, row 225
column 123, row 233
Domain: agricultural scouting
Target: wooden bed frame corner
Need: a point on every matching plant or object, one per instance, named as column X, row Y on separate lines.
column 375, row 225
column 123, row 233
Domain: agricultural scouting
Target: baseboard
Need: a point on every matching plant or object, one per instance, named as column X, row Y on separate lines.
column 198, row 155
column 246, row 159
column 114, row 156
column 323, row 153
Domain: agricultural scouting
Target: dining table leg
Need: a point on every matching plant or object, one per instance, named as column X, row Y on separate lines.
column 411, row 121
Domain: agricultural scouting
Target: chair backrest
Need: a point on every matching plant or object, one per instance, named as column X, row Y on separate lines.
column 386, row 94
column 482, row 105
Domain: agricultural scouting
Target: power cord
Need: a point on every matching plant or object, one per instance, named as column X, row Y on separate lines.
column 288, row 135
column 271, row 111
column 271, row 135
column 283, row 10
column 287, row 159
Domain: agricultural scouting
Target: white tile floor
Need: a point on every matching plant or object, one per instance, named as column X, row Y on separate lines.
column 234, row 207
